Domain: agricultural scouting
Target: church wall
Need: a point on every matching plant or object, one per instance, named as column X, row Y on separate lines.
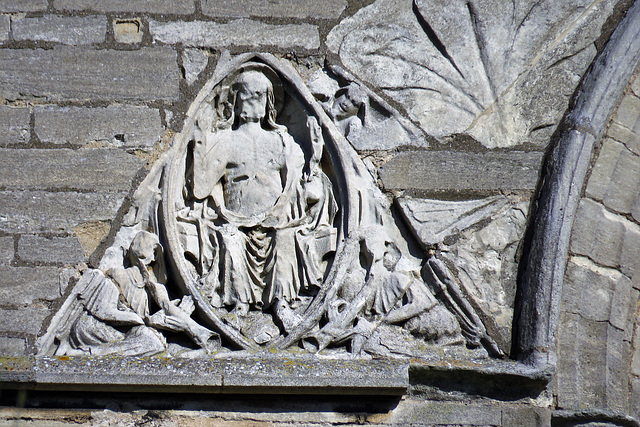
column 92, row 93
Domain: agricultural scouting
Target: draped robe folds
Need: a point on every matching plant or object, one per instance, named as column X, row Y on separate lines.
column 248, row 253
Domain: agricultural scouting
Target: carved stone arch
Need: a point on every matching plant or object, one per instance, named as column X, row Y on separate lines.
column 563, row 181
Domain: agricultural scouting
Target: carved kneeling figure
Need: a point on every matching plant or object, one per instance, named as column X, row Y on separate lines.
column 114, row 315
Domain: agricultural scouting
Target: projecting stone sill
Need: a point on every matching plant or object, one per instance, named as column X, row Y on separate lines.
column 268, row 375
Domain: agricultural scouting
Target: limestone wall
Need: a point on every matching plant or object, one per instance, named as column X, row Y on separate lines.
column 93, row 92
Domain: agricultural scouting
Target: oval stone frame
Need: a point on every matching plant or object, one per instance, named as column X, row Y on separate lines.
column 346, row 165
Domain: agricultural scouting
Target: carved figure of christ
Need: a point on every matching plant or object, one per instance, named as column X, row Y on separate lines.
column 250, row 176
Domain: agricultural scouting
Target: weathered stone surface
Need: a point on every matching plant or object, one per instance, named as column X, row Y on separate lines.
column 440, row 413
column 41, row 212
column 242, row 32
column 581, row 363
column 500, row 73
column 115, row 125
column 386, row 376
column 635, row 357
column 615, row 179
column 64, row 250
column 228, row 375
column 559, row 195
column 22, row 6
column 23, row 285
column 12, row 346
column 630, row 138
column 526, row 416
column 177, row 7
column 128, row 30
column 486, row 261
column 26, row 320
column 609, row 239
column 628, row 115
column 90, row 234
column 85, row 169
column 320, row 9
column 435, row 221
column 194, row 62
column 458, row 171
column 597, row 293
column 68, row 73
column 5, row 26
column 617, row 371
column 74, row 30
column 14, row 125
column 7, row 249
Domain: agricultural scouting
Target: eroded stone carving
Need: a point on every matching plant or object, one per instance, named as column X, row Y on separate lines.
column 475, row 68
column 364, row 118
column 275, row 236
column 114, row 314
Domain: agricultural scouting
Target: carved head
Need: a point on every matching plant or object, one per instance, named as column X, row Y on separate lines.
column 254, row 99
column 145, row 248
column 348, row 101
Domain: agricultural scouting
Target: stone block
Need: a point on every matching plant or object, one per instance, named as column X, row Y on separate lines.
column 194, row 62
column 14, row 125
column 635, row 354
column 617, row 370
column 460, row 171
column 127, row 30
column 26, row 320
column 529, row 416
column 635, row 397
column 439, row 413
column 76, row 30
column 628, row 137
column 242, row 32
column 174, row 7
column 83, row 73
column 7, row 250
column 115, row 125
column 319, row 9
column 12, row 346
column 59, row 212
column 596, row 293
column 5, row 26
column 582, row 361
column 615, row 179
column 55, row 250
column 608, row 239
column 266, row 375
column 24, row 285
column 22, row 5
column 628, row 112
column 83, row 169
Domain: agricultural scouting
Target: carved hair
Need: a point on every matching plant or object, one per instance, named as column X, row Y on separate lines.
column 269, row 120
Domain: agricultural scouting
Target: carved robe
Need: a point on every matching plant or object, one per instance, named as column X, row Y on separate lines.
column 253, row 205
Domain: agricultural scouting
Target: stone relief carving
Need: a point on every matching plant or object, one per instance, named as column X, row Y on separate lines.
column 480, row 239
column 364, row 118
column 261, row 229
column 475, row 68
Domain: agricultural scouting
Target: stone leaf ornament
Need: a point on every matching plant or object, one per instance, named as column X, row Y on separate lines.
column 500, row 72
column 262, row 230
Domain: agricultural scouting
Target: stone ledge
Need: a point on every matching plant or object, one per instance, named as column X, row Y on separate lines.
column 297, row 375
column 236, row 374
column 496, row 379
